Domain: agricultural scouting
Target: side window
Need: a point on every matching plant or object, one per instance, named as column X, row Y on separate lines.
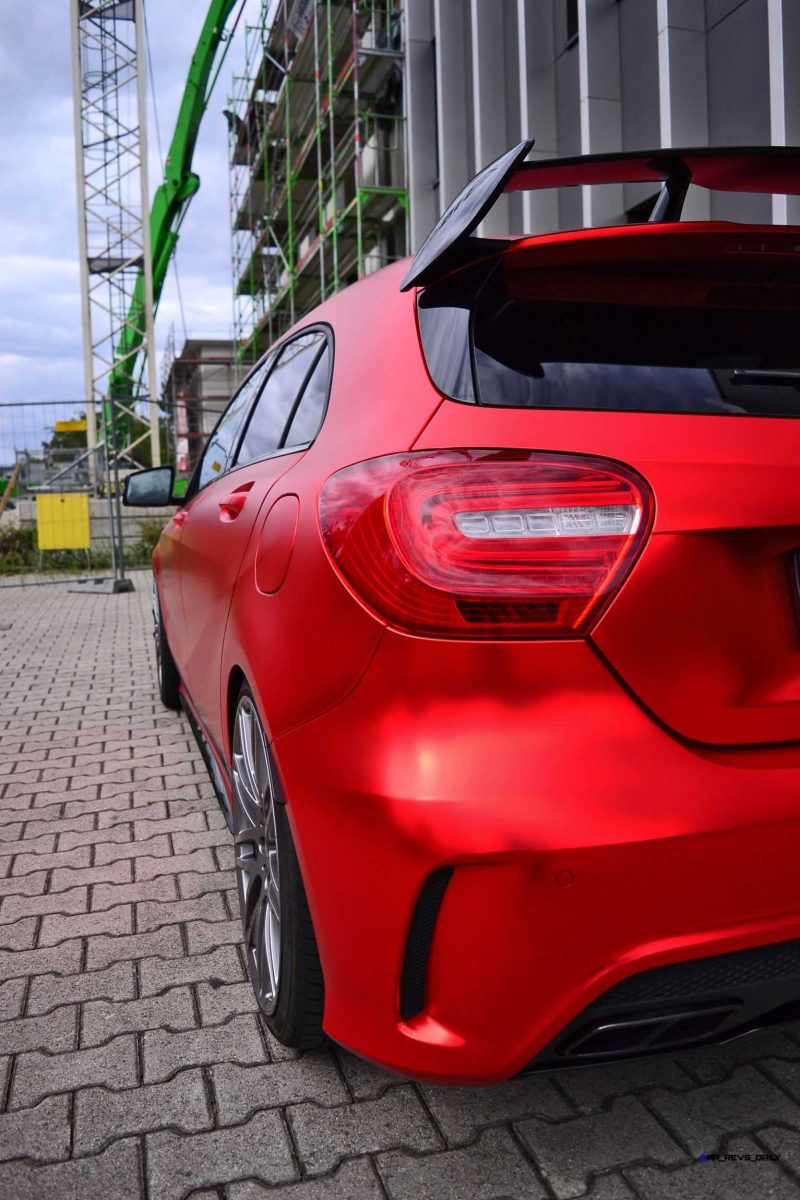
column 264, row 433
column 305, row 423
column 216, row 456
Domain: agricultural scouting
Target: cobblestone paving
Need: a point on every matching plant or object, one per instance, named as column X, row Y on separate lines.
column 132, row 1061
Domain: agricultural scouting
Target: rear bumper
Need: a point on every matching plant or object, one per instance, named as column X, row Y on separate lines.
column 683, row 1004
column 587, row 844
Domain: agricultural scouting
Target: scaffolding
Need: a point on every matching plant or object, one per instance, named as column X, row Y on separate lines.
column 317, row 155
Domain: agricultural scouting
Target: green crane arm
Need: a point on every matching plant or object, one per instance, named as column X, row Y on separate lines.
column 172, row 195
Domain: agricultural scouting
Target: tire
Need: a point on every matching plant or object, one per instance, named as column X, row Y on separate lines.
column 280, row 946
column 166, row 671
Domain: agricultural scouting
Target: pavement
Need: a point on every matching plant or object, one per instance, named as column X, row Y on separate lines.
column 133, row 1062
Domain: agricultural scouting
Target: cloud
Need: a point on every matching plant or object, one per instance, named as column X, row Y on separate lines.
column 40, row 313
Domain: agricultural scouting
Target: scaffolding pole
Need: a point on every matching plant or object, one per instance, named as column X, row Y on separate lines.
column 318, row 166
column 113, row 216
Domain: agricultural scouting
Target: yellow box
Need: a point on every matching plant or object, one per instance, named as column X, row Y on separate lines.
column 77, row 425
column 62, row 521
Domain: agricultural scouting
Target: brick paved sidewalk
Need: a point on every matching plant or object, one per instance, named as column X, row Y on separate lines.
column 133, row 1063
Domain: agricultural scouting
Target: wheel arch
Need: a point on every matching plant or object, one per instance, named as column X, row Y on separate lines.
column 235, row 680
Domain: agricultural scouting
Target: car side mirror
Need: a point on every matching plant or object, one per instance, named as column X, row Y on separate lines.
column 149, row 489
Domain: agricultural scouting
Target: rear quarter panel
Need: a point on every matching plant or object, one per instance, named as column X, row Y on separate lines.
column 305, row 646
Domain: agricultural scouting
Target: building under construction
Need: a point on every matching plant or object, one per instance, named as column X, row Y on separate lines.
column 318, row 157
column 196, row 385
column 356, row 122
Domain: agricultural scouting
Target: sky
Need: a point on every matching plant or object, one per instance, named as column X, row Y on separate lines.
column 40, row 322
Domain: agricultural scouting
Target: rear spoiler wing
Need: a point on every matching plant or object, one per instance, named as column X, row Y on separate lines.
column 450, row 244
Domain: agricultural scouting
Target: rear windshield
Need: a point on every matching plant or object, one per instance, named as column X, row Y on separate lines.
column 682, row 342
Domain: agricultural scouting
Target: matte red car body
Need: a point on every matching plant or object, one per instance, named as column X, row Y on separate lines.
column 610, row 803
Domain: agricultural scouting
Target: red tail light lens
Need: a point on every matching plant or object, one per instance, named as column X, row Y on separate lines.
column 486, row 543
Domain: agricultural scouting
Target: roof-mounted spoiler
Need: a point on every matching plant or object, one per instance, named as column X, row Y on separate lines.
column 450, row 243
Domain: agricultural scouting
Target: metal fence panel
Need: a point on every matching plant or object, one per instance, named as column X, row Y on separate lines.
column 60, row 515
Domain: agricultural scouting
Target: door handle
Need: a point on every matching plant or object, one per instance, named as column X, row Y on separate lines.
column 232, row 505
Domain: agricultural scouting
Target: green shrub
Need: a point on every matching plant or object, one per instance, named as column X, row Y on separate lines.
column 19, row 552
column 141, row 552
column 17, row 548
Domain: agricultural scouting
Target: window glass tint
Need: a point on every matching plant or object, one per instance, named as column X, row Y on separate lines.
column 572, row 20
column 308, row 416
column 599, row 385
column 265, row 428
column 692, row 337
column 217, row 454
column 642, row 358
column 445, row 312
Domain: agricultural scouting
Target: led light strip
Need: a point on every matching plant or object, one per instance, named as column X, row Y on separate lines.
column 601, row 520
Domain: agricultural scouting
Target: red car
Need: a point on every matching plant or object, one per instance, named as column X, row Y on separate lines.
column 484, row 603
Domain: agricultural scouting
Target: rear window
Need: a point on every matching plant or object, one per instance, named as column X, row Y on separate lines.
column 690, row 339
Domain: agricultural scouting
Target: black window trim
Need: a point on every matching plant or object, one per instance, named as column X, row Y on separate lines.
column 479, row 279
column 275, row 351
column 299, row 398
column 321, row 326
column 572, row 27
column 193, row 489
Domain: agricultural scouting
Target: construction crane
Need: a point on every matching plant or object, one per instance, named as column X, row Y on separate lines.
column 172, row 196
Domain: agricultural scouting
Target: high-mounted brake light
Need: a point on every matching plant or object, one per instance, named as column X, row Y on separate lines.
column 486, row 543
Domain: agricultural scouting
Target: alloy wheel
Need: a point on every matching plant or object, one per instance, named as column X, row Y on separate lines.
column 256, row 853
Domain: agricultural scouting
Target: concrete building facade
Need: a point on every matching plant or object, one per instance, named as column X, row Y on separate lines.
column 589, row 77
column 197, row 384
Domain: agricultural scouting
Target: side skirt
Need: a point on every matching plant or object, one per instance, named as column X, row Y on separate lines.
column 217, row 770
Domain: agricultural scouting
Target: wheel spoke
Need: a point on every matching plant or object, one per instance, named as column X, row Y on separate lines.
column 272, row 888
column 250, row 892
column 272, row 947
column 248, row 750
column 248, row 802
column 244, row 778
column 265, row 976
column 261, row 774
column 270, row 832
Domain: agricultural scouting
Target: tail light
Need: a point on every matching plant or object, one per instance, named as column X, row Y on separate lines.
column 486, row 543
